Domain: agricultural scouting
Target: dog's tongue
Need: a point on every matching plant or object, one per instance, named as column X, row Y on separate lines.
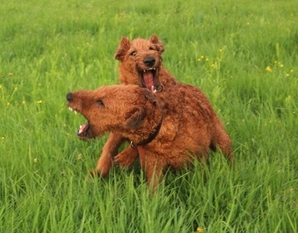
column 83, row 129
column 148, row 79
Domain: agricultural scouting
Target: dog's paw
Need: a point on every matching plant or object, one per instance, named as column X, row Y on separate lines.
column 126, row 158
column 123, row 161
column 97, row 174
column 94, row 174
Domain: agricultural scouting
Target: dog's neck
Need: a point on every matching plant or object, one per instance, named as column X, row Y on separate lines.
column 150, row 137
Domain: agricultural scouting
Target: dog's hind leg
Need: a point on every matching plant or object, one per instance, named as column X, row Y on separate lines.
column 222, row 140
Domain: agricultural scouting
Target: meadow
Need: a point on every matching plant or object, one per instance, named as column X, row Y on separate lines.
column 242, row 54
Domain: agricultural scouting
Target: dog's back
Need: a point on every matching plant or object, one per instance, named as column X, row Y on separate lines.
column 190, row 125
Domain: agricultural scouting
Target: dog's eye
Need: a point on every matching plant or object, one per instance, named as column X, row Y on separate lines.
column 151, row 48
column 134, row 53
column 100, row 102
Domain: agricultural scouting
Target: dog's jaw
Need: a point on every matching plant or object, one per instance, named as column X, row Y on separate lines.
column 85, row 131
column 149, row 79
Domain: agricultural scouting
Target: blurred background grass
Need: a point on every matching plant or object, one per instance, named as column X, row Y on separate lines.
column 243, row 55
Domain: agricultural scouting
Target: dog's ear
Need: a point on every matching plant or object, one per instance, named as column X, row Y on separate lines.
column 154, row 40
column 122, row 49
column 134, row 118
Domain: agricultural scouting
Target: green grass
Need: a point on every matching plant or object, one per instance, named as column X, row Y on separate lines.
column 244, row 55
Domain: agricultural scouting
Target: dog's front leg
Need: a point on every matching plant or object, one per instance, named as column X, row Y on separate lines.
column 110, row 150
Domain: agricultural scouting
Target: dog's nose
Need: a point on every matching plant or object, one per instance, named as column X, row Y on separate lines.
column 69, row 96
column 149, row 61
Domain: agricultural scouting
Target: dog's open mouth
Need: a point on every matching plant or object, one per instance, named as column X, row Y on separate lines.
column 149, row 79
column 84, row 130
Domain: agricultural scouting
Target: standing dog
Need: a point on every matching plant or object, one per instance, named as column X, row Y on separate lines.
column 141, row 64
column 169, row 131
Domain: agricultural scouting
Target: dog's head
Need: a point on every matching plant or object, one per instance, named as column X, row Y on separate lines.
column 126, row 109
column 140, row 62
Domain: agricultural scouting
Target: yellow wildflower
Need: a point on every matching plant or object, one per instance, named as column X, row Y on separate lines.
column 39, row 101
column 200, row 230
column 268, row 68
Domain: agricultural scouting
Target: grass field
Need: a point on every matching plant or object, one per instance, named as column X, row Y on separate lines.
column 242, row 54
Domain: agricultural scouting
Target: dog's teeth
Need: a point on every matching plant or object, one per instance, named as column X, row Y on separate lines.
column 72, row 110
column 153, row 89
column 152, row 68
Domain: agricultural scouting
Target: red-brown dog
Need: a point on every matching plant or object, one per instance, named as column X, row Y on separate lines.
column 168, row 131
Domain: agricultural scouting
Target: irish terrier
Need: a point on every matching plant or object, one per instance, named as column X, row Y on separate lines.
column 140, row 64
column 170, row 131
